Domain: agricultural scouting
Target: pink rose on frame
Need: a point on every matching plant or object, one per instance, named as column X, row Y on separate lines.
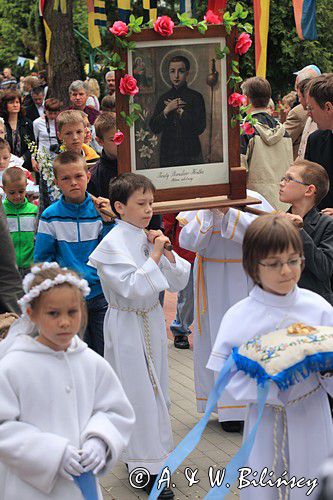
column 212, row 18
column 164, row 25
column 118, row 138
column 247, row 128
column 235, row 100
column 128, row 85
column 119, row 28
column 243, row 44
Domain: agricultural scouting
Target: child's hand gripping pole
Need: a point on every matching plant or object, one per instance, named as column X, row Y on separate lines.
column 153, row 234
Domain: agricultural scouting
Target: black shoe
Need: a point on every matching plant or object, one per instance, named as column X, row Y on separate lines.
column 181, row 342
column 232, row 426
column 166, row 494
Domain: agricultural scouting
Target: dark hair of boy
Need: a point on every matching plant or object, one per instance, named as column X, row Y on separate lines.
column 4, row 144
column 68, row 158
column 321, row 89
column 268, row 234
column 313, row 173
column 258, row 90
column 123, row 186
column 104, row 123
column 181, row 59
column 12, row 174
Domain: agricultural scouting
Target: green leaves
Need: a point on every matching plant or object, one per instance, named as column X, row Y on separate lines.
column 202, row 27
column 186, row 20
column 135, row 111
column 220, row 54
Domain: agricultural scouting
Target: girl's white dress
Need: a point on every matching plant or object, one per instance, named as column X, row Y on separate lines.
column 49, row 399
column 308, row 420
column 135, row 335
column 219, row 275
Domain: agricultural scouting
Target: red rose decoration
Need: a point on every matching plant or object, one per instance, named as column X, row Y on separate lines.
column 119, row 28
column 128, row 85
column 243, row 44
column 235, row 100
column 247, row 128
column 212, row 18
column 118, row 138
column 164, row 25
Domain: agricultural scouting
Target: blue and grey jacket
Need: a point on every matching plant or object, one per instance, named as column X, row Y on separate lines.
column 68, row 233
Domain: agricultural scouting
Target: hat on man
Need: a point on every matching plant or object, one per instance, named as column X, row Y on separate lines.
column 311, row 66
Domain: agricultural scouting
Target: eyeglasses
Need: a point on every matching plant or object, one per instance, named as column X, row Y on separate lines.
column 277, row 265
column 288, row 178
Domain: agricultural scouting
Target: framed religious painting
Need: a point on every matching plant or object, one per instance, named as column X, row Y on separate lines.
column 182, row 138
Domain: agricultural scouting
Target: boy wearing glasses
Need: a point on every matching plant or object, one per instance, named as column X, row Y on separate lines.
column 303, row 186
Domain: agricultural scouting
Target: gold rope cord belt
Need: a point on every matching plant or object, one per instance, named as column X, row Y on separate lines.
column 281, row 411
column 143, row 313
column 201, row 284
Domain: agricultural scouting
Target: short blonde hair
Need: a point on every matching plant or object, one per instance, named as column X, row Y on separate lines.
column 13, row 174
column 68, row 158
column 68, row 117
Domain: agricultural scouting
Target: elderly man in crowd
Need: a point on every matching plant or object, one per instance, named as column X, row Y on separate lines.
column 297, row 116
column 9, row 81
column 78, row 95
column 110, row 80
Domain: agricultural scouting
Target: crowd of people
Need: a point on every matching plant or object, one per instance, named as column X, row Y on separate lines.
column 83, row 257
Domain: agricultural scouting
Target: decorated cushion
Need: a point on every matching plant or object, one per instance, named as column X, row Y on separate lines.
column 286, row 356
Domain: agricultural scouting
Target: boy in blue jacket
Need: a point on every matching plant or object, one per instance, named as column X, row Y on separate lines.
column 68, row 232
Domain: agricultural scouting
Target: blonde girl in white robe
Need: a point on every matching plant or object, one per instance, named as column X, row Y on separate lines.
column 62, row 408
column 219, row 282
column 133, row 271
column 272, row 256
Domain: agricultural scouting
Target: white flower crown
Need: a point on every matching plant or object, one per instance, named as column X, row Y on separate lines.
column 35, row 291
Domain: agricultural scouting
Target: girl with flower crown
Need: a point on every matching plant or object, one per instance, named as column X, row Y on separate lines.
column 63, row 411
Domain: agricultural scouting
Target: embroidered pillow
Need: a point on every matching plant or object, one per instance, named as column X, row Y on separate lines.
column 287, row 356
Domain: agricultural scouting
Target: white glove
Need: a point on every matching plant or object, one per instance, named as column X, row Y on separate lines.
column 93, row 455
column 70, row 464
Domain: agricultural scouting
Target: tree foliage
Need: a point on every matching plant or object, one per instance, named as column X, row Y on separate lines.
column 21, row 35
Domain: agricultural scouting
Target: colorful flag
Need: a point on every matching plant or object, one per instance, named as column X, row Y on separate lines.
column 96, row 17
column 100, row 14
column 187, row 6
column 261, row 25
column 124, row 10
column 60, row 5
column 41, row 7
column 217, row 6
column 305, row 19
column 151, row 7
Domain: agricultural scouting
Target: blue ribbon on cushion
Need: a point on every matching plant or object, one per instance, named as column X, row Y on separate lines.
column 87, row 484
column 187, row 445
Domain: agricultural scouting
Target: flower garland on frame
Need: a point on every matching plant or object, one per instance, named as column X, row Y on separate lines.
column 164, row 26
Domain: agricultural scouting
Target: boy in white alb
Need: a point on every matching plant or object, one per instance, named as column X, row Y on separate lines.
column 134, row 268
column 219, row 282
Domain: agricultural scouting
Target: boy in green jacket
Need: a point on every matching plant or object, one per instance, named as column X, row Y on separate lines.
column 21, row 217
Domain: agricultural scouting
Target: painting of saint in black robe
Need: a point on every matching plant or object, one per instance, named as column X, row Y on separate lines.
column 180, row 118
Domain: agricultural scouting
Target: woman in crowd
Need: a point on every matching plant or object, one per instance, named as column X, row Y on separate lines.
column 19, row 130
